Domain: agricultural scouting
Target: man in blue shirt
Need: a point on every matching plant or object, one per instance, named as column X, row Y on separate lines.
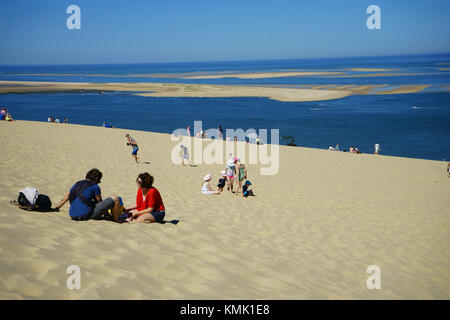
column 86, row 200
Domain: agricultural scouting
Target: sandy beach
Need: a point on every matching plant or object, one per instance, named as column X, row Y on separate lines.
column 176, row 90
column 152, row 89
column 310, row 233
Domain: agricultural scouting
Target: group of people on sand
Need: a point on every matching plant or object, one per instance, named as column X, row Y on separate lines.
column 355, row 149
column 5, row 115
column 220, row 135
column 52, row 119
column 235, row 172
column 107, row 125
column 86, row 201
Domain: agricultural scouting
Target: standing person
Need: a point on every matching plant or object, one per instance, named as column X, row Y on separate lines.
column 149, row 206
column 231, row 170
column 185, row 155
column 86, row 199
column 448, row 169
column 66, row 120
column 377, row 148
column 241, row 172
column 188, row 129
column 131, row 142
column 220, row 132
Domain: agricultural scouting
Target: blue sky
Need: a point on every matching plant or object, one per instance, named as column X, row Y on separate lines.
column 113, row 31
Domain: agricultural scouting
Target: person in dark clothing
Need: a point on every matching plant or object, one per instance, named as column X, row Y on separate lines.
column 86, row 200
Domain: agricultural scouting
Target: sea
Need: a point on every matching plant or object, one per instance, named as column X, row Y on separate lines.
column 415, row 125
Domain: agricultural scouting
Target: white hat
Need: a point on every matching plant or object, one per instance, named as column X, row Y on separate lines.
column 230, row 162
column 223, row 173
column 207, row 177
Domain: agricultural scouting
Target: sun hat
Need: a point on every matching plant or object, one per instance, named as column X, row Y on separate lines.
column 248, row 183
column 223, row 173
column 207, row 177
column 236, row 159
column 230, row 163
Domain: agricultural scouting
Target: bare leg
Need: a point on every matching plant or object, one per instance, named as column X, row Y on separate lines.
column 239, row 186
column 146, row 218
column 116, row 209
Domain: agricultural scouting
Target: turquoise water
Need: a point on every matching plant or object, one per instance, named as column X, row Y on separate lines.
column 409, row 125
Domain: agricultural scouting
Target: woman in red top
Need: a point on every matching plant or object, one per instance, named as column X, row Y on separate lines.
column 149, row 205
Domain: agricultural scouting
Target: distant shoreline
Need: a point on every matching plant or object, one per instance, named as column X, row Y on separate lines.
column 308, row 93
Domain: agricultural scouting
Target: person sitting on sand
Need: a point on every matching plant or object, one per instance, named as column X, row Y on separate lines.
column 222, row 181
column 133, row 144
column 206, row 188
column 351, row 150
column 241, row 172
column 149, row 206
column 86, row 200
column 246, row 191
column 8, row 117
column 357, row 150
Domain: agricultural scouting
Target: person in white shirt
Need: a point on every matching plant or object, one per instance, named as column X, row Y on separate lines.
column 377, row 148
column 206, row 188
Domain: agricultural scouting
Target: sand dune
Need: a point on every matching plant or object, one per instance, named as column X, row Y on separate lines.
column 177, row 90
column 311, row 231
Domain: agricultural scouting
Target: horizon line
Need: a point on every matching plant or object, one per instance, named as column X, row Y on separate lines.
column 220, row 61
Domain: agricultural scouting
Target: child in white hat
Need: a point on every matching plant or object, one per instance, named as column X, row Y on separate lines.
column 222, row 180
column 206, row 188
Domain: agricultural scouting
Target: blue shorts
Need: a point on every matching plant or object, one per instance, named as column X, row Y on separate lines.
column 135, row 150
column 159, row 216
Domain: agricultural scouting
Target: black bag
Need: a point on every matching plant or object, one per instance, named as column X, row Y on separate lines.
column 43, row 203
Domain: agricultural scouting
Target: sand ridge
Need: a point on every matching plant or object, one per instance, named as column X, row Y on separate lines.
column 310, row 233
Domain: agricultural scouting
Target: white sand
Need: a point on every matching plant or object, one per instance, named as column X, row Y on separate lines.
column 311, row 232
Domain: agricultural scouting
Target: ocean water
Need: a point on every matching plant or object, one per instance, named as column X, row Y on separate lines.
column 408, row 125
